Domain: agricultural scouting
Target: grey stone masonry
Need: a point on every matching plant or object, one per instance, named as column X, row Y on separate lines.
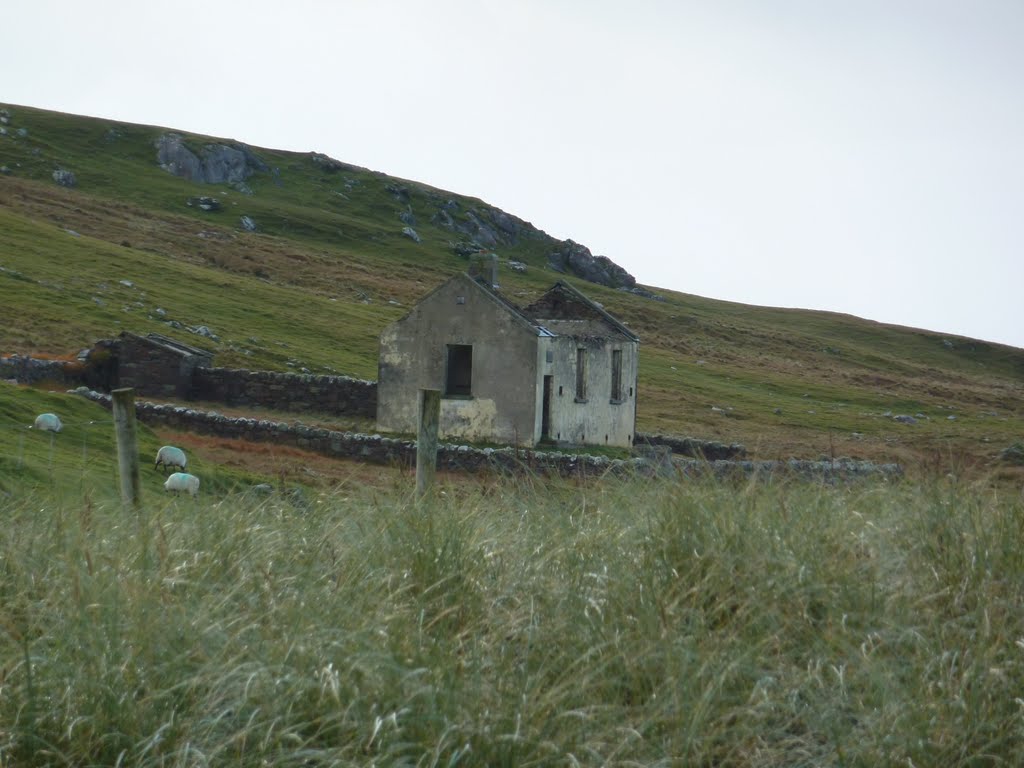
column 691, row 446
column 375, row 449
column 30, row 370
column 339, row 395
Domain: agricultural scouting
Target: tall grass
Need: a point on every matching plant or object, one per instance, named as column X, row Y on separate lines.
column 636, row 623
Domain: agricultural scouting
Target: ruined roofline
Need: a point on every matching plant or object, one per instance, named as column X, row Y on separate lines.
column 168, row 343
column 521, row 317
column 608, row 317
column 515, row 309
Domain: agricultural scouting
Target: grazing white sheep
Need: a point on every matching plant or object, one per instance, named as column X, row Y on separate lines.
column 170, row 457
column 48, row 422
column 182, row 481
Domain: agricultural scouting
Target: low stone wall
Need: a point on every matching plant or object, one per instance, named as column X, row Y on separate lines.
column 377, row 449
column 336, row 395
column 691, row 446
column 339, row 395
column 31, row 370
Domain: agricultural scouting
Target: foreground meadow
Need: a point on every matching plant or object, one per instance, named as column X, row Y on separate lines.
column 517, row 623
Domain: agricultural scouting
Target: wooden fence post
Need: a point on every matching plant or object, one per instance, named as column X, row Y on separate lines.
column 426, row 440
column 127, row 447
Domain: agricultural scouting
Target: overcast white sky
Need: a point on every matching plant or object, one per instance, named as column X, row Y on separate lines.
column 859, row 156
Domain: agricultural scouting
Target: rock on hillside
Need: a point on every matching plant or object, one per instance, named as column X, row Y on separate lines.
column 215, row 163
column 489, row 227
column 577, row 260
column 484, row 227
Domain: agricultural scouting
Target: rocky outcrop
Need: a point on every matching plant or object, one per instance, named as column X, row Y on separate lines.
column 485, row 226
column 575, row 259
column 1013, row 454
column 330, row 165
column 208, row 204
column 64, row 177
column 214, row 163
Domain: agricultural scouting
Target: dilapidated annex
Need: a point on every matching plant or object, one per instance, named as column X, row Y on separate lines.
column 561, row 369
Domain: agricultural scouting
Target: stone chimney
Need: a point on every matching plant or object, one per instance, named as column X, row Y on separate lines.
column 484, row 268
column 492, row 263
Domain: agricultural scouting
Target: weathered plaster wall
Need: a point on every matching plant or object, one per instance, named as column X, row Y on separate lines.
column 413, row 356
column 598, row 420
column 595, row 419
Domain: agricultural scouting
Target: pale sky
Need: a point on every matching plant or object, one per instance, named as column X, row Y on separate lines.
column 857, row 156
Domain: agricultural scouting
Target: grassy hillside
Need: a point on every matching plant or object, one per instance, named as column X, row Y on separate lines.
column 329, row 267
column 80, row 462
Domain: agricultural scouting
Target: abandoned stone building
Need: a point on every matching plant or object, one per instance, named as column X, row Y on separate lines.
column 155, row 365
column 562, row 369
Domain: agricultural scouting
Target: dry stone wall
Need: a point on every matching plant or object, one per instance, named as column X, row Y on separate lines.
column 376, row 449
column 153, row 373
column 30, row 370
column 336, row 395
column 339, row 395
column 698, row 449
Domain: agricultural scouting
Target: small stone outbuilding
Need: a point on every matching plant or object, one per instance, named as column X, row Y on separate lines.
column 561, row 370
column 156, row 365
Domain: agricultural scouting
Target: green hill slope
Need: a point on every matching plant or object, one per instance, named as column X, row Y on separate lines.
column 328, row 266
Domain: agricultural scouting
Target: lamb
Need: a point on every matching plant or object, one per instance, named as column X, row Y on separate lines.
column 170, row 457
column 182, row 481
column 48, row 422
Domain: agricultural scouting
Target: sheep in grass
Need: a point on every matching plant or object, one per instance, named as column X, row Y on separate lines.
column 182, row 481
column 48, row 422
column 170, row 457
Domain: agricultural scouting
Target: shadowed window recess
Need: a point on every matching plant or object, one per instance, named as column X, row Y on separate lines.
column 581, row 374
column 459, row 370
column 616, row 375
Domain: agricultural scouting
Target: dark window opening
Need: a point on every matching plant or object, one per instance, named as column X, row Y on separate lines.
column 581, row 373
column 545, row 417
column 617, row 375
column 459, row 370
column 559, row 391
